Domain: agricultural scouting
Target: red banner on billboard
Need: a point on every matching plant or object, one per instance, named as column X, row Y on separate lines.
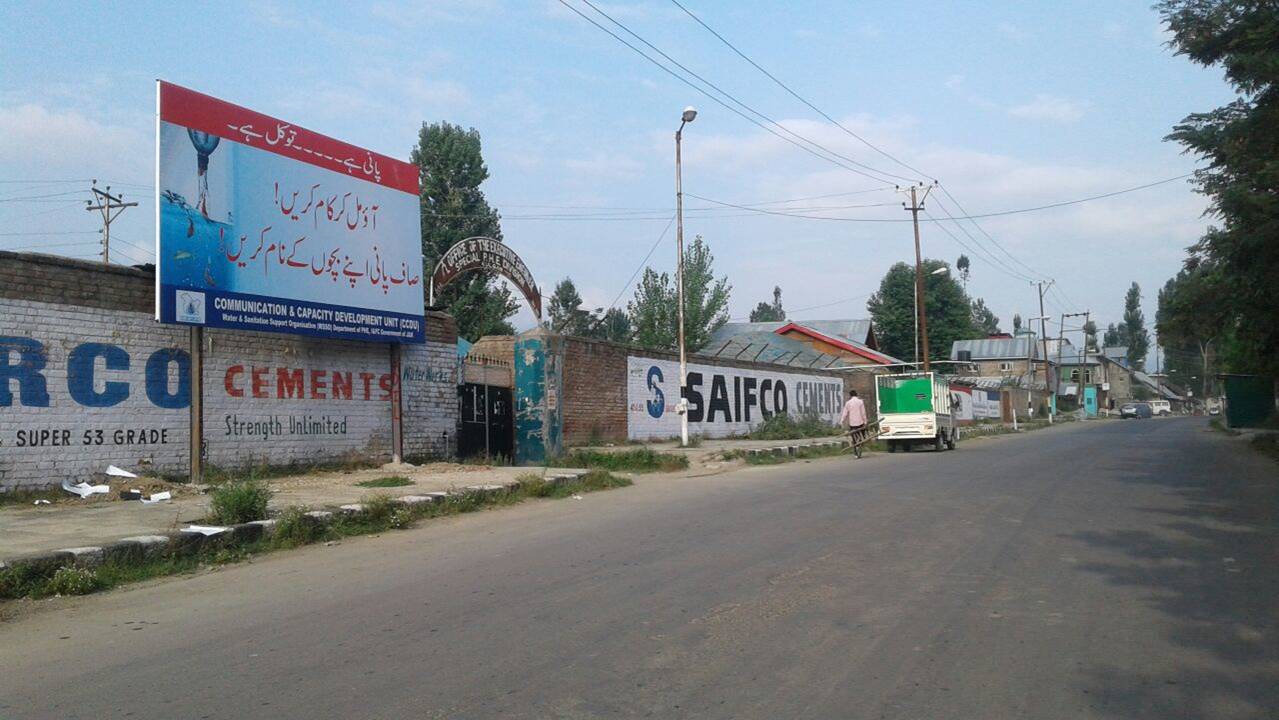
column 195, row 110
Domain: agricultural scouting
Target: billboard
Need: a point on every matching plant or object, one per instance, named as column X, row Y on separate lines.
column 722, row 401
column 264, row 225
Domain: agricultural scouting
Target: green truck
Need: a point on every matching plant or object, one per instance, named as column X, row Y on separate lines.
column 915, row 409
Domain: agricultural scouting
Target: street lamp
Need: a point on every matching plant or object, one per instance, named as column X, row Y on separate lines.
column 690, row 114
column 939, row 271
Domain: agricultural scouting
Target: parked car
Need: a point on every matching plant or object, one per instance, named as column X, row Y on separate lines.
column 1135, row 410
column 1161, row 407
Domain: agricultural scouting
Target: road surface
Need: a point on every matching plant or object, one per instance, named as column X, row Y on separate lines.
column 1109, row 570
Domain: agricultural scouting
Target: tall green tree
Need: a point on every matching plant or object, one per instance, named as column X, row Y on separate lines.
column 1113, row 336
column 1090, row 334
column 454, row 208
column 1193, row 323
column 1133, row 329
column 985, row 322
column 1240, row 142
column 963, row 265
column 1016, row 323
column 766, row 312
column 613, row 325
column 892, row 309
column 653, row 311
column 566, row 313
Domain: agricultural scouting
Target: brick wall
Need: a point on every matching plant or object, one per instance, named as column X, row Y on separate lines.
column 595, row 395
column 88, row 378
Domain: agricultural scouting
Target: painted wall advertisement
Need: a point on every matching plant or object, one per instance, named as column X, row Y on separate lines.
column 986, row 405
column 264, row 225
column 961, row 399
column 722, row 401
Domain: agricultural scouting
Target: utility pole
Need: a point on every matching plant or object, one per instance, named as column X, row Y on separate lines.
column 111, row 206
column 1043, row 337
column 921, row 314
column 689, row 114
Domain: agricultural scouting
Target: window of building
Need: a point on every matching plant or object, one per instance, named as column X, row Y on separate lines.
column 1005, row 366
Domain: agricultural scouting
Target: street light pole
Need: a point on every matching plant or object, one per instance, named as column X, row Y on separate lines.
column 939, row 271
column 690, row 113
column 921, row 306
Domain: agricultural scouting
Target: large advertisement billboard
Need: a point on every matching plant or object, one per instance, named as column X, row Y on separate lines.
column 722, row 401
column 264, row 225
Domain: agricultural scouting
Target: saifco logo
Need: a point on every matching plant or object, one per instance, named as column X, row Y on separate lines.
column 656, row 404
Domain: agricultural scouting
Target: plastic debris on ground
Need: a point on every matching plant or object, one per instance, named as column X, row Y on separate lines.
column 156, row 497
column 84, row 489
column 205, row 530
column 117, row 472
column 41, row 502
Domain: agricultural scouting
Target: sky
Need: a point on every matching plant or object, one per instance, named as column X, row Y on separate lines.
column 1009, row 105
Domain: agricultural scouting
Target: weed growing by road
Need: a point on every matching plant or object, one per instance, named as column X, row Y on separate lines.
column 385, row 482
column 804, row 452
column 239, row 502
column 634, row 460
column 781, row 426
column 72, row 580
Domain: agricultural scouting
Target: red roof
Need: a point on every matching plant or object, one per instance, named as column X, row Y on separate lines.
column 840, row 343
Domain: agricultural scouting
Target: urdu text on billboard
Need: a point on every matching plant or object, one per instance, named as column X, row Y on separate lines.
column 264, row 225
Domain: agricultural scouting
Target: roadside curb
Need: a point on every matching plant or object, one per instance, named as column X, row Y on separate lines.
column 793, row 450
column 178, row 543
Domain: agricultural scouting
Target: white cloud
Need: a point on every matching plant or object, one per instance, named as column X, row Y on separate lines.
column 36, row 141
column 605, row 165
column 1049, row 107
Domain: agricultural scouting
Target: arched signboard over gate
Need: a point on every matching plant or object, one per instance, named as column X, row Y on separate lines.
column 485, row 253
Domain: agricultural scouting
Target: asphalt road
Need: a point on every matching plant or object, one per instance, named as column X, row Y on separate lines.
column 1111, row 570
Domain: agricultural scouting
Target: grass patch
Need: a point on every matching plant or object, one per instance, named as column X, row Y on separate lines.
column 636, row 460
column 810, row 452
column 1217, row 424
column 215, row 475
column 1267, row 444
column 293, row 528
column 239, row 502
column 781, row 426
column 385, row 482
column 27, row 497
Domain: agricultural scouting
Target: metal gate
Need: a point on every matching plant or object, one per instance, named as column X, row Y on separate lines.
column 486, row 428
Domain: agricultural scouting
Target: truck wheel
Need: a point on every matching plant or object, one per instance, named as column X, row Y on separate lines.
column 951, row 441
column 939, row 442
column 907, row 446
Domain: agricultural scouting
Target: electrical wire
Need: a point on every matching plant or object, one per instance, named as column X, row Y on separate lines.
column 716, row 100
column 641, row 265
column 921, row 174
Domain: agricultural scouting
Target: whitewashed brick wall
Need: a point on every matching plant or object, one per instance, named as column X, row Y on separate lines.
column 87, row 438
column 251, row 416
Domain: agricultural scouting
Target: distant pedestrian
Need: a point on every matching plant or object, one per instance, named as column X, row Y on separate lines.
column 854, row 417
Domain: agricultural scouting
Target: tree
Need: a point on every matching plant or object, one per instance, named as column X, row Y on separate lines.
column 962, row 266
column 613, row 325
column 1113, row 336
column 1134, row 328
column 985, row 321
column 1192, row 321
column 453, row 209
column 653, row 311
column 566, row 312
column 1090, row 334
column 765, row 312
column 1240, row 142
column 892, row 310
column 1016, row 323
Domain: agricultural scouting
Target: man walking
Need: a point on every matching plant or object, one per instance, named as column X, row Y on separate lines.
column 854, row 417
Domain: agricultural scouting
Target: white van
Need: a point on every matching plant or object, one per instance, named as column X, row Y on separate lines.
column 1160, row 407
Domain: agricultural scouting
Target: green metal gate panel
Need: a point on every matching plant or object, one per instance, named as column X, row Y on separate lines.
column 1250, row 399
column 538, row 420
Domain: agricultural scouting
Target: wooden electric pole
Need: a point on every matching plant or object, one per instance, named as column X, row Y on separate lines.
column 921, row 315
column 110, row 206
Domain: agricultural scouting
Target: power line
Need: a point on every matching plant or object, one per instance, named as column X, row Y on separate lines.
column 38, row 197
column 54, row 245
column 716, row 100
column 642, row 263
column 922, row 175
column 56, row 232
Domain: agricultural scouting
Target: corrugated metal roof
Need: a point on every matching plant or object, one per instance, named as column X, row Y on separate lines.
column 998, row 348
column 769, row 347
column 853, row 332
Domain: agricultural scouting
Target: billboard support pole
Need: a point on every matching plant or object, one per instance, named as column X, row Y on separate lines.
column 197, row 404
column 397, row 418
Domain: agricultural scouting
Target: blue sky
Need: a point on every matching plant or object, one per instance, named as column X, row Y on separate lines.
column 1009, row 104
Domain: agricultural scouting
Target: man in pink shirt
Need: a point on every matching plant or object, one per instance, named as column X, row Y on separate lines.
column 854, row 416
